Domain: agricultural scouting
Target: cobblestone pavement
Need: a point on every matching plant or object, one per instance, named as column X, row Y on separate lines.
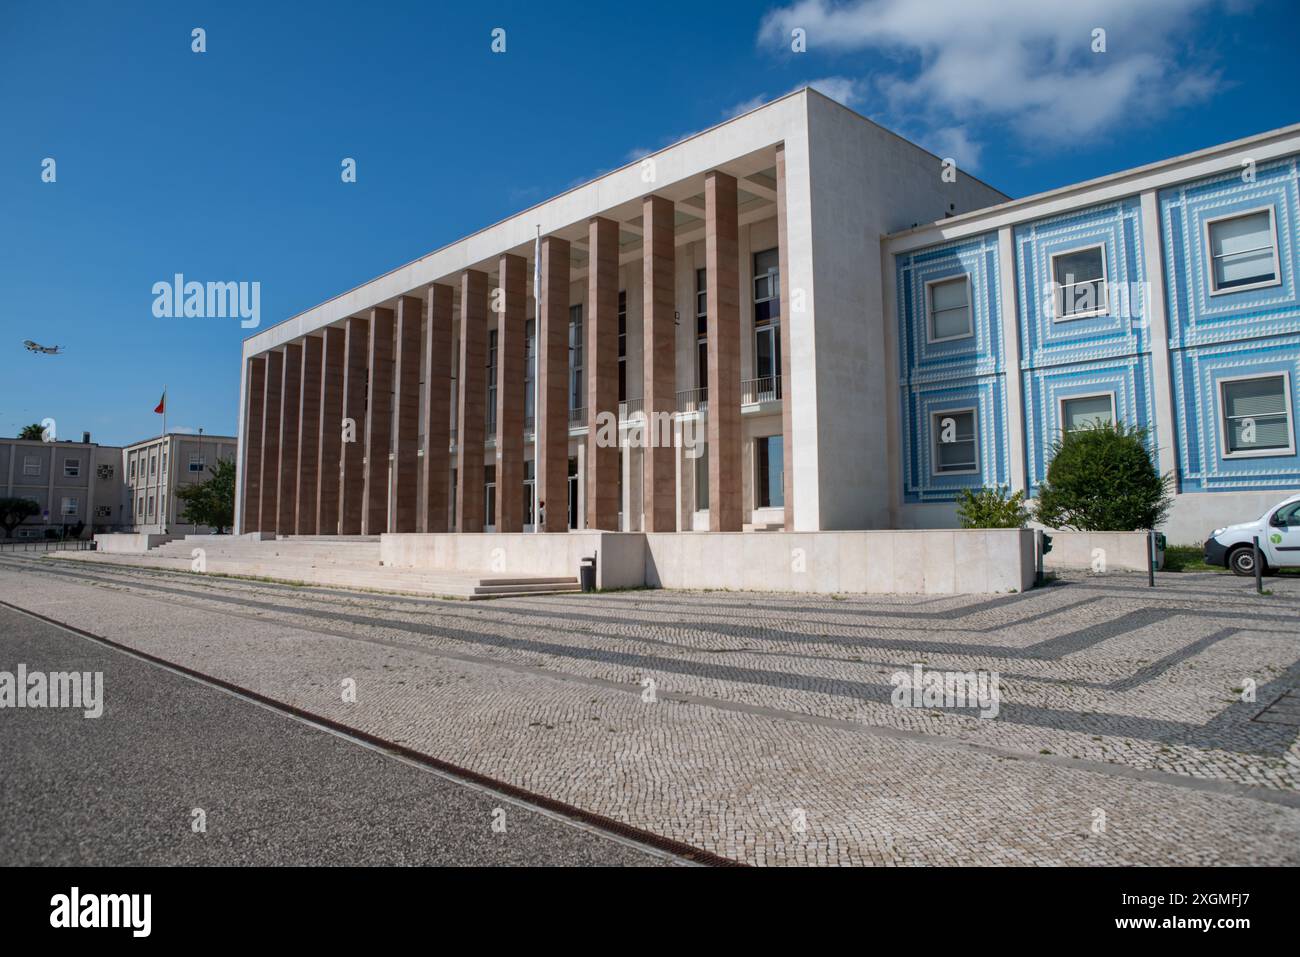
column 123, row 789
column 761, row 727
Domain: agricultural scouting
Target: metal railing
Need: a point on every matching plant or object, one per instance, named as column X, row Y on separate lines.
column 48, row 545
column 578, row 417
column 692, row 400
column 629, row 408
column 765, row 389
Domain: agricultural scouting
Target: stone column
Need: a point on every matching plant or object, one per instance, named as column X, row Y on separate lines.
column 256, row 395
column 331, row 425
column 379, row 422
column 600, row 356
column 353, row 432
column 308, row 438
column 287, row 472
column 437, row 409
column 783, row 263
column 511, row 332
column 722, row 262
column 267, row 507
column 471, row 420
column 552, row 469
column 406, row 458
column 658, row 265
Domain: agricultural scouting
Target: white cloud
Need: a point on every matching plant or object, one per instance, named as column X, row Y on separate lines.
column 1028, row 63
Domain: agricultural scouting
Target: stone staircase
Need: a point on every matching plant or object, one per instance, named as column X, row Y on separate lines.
column 333, row 562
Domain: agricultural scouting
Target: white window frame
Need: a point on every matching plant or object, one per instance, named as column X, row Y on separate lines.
column 31, row 466
column 1209, row 251
column 929, row 309
column 1062, row 399
column 934, row 441
column 196, row 458
column 74, row 465
column 1223, row 417
column 68, row 505
column 1058, row 298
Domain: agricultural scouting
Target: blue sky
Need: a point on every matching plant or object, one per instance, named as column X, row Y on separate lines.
column 225, row 165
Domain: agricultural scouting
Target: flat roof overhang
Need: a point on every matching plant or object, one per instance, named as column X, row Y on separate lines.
column 744, row 147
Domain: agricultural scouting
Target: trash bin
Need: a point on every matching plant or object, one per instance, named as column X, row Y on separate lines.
column 587, row 574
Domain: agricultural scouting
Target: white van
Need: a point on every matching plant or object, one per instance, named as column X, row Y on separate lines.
column 1278, row 530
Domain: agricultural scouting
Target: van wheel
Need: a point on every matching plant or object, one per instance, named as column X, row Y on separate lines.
column 1242, row 562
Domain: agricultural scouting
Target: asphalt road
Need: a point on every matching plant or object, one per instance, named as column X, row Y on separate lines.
column 122, row 789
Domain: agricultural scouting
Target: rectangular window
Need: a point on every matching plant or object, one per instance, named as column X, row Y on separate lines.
column 622, row 346
column 492, row 382
column 139, row 507
column 767, row 322
column 530, row 371
column 1080, row 282
column 1085, row 411
column 529, row 480
column 1243, row 251
column 133, row 469
column 769, row 476
column 150, row 515
column 577, row 384
column 948, row 307
column 196, row 462
column 767, row 286
column 153, row 466
column 490, row 496
column 1257, row 416
column 702, row 478
column 701, row 329
column 71, row 468
column 955, row 451
column 69, row 506
column 31, row 465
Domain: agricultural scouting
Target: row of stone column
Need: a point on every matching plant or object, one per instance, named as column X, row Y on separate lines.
column 319, row 429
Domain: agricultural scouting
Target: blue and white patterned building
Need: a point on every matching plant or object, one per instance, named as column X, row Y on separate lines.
column 1164, row 296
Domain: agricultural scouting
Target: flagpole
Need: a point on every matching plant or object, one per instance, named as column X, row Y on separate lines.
column 537, row 369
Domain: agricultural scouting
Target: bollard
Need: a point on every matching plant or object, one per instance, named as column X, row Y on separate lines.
column 1151, row 558
column 1259, row 565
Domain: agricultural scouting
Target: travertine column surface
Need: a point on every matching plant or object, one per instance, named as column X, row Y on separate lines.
column 722, row 264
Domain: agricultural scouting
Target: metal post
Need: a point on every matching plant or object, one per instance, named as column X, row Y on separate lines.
column 1151, row 558
column 1259, row 565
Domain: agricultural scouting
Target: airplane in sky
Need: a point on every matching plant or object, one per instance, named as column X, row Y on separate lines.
column 42, row 350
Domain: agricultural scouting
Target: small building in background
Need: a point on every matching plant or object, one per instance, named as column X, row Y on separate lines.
column 77, row 486
column 153, row 469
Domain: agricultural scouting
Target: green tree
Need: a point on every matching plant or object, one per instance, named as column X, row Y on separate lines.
column 13, row 511
column 32, row 432
column 1102, row 479
column 992, row 508
column 211, row 502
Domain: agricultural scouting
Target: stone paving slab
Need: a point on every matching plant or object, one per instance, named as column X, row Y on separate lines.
column 765, row 721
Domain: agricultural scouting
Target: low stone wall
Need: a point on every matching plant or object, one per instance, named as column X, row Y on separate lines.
column 621, row 555
column 129, row 543
column 1099, row 551
column 930, row 562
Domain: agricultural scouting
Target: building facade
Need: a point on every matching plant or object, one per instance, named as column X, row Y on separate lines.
column 75, row 485
column 1164, row 297
column 154, row 469
column 752, row 330
column 704, row 345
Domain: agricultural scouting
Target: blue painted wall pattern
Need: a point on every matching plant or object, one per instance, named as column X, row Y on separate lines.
column 1088, row 356
column 956, row 374
column 1252, row 332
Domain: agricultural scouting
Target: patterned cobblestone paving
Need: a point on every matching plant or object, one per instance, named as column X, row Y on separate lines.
column 1121, row 737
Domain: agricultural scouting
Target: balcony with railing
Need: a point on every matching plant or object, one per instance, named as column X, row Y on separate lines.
column 757, row 391
column 692, row 400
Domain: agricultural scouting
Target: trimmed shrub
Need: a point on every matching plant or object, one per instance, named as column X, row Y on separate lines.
column 992, row 508
column 1102, row 479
